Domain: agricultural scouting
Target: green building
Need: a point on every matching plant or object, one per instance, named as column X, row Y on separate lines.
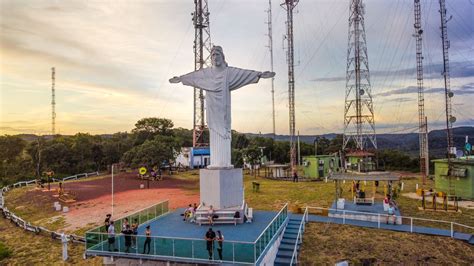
column 463, row 176
column 361, row 161
column 319, row 166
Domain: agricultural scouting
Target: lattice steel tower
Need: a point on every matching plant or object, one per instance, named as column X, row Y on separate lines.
column 359, row 124
column 422, row 120
column 270, row 48
column 450, row 119
column 202, row 52
column 289, row 5
column 53, row 103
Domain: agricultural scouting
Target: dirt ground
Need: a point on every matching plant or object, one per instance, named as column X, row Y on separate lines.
column 94, row 197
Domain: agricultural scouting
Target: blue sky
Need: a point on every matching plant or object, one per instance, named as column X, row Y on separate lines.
column 113, row 60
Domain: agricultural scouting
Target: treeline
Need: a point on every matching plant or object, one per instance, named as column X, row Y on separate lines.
column 153, row 142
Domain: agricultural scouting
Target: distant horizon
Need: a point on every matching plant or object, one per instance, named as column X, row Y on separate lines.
column 245, row 133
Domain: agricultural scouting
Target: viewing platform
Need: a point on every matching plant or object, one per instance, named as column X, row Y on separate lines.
column 175, row 240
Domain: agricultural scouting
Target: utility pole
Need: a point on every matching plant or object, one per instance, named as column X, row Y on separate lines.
column 53, row 103
column 270, row 48
column 289, row 5
column 359, row 124
column 422, row 120
column 450, row 119
column 202, row 52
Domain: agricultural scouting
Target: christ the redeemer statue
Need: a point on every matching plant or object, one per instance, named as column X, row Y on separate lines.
column 218, row 81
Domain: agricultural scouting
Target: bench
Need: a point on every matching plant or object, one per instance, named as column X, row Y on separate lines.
column 363, row 201
column 224, row 217
column 255, row 186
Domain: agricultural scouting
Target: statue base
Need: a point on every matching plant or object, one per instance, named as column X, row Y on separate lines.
column 221, row 187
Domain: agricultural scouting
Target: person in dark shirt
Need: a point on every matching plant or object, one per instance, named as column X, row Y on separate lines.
column 128, row 237
column 210, row 237
column 107, row 222
column 147, row 240
column 220, row 242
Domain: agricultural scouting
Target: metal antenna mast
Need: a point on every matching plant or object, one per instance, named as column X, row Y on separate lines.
column 53, row 103
column 202, row 52
column 289, row 5
column 422, row 120
column 359, row 124
column 450, row 119
column 270, row 47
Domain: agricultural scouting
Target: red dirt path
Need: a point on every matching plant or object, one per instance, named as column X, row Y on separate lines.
column 94, row 197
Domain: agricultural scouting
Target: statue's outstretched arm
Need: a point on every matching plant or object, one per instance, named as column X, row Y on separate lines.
column 267, row 74
column 175, row 80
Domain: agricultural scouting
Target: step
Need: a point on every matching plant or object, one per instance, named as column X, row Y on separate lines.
column 282, row 261
column 285, row 253
column 288, row 247
column 288, row 241
column 293, row 226
column 291, row 231
column 290, row 235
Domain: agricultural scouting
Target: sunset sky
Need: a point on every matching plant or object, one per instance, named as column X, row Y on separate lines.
column 113, row 60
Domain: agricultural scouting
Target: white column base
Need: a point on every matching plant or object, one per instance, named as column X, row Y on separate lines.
column 221, row 188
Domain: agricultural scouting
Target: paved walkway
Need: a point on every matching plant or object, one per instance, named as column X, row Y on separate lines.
column 400, row 228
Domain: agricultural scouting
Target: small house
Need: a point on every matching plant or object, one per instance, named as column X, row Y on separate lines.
column 462, row 176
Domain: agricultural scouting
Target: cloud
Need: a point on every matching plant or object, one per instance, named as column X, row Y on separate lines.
column 462, row 69
column 466, row 89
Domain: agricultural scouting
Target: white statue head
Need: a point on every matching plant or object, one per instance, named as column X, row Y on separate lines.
column 218, row 57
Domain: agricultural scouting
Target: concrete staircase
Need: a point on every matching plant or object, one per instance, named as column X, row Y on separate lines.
column 287, row 245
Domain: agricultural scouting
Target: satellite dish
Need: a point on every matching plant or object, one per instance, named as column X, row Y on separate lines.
column 450, row 94
column 361, row 92
column 452, row 119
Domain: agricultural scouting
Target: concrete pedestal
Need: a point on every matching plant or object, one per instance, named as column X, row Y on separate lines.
column 221, row 188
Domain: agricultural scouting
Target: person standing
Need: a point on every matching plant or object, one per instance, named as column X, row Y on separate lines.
column 295, row 176
column 124, row 224
column 128, row 237
column 111, row 235
column 220, row 242
column 147, row 240
column 107, row 222
column 134, row 232
column 210, row 237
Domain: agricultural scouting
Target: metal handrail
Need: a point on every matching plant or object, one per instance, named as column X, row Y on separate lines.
column 168, row 237
column 403, row 217
column 276, row 216
column 382, row 214
column 294, row 256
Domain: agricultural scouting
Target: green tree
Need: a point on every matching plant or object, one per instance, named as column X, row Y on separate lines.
column 11, row 148
column 162, row 149
column 252, row 155
column 148, row 128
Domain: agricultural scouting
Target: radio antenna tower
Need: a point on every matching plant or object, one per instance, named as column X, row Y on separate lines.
column 359, row 124
column 202, row 52
column 289, row 5
column 450, row 119
column 270, row 48
column 53, row 103
column 422, row 120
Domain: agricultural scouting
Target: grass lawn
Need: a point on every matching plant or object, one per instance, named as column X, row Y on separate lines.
column 330, row 243
column 28, row 248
